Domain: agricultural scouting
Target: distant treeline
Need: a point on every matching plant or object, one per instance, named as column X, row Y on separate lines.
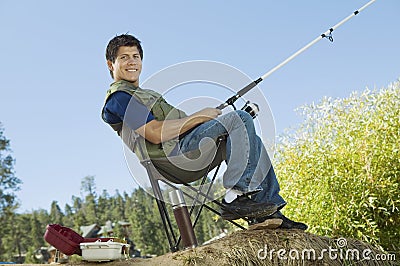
column 22, row 234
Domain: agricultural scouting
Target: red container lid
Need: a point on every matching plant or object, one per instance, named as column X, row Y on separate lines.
column 64, row 239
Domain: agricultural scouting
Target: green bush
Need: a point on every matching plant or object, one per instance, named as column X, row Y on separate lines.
column 339, row 170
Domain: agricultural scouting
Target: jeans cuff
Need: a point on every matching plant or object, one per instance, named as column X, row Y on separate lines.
column 247, row 190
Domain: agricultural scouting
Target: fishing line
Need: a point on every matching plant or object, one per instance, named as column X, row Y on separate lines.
column 327, row 34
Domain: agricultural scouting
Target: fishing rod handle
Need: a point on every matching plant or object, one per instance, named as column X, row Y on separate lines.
column 222, row 106
column 228, row 102
column 240, row 93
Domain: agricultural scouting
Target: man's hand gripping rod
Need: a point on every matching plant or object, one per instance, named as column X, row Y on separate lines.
column 327, row 34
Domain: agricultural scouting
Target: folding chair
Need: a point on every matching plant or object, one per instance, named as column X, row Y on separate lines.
column 162, row 170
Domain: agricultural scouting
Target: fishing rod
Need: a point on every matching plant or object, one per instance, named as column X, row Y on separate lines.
column 327, row 34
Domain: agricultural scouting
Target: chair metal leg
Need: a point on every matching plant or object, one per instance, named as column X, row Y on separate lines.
column 162, row 208
column 173, row 240
column 205, row 205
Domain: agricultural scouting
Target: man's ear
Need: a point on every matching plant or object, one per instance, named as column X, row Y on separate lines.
column 110, row 65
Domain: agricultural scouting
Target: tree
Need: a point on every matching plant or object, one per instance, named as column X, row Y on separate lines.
column 9, row 184
column 36, row 231
column 118, row 206
column 79, row 217
column 340, row 169
column 68, row 219
column 104, row 207
column 56, row 215
column 147, row 232
column 88, row 185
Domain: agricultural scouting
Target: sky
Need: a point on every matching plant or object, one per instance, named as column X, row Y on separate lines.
column 54, row 75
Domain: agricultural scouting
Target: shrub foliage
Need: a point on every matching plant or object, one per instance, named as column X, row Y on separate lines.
column 340, row 168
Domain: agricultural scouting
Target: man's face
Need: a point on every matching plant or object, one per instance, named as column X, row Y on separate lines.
column 127, row 65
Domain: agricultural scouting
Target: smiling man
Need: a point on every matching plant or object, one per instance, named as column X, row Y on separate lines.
column 252, row 190
column 128, row 64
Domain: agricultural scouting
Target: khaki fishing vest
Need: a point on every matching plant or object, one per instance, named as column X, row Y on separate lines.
column 160, row 109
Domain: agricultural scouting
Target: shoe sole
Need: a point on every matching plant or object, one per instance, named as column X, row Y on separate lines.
column 233, row 216
column 267, row 224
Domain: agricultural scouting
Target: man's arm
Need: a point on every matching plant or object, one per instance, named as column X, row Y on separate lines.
column 160, row 131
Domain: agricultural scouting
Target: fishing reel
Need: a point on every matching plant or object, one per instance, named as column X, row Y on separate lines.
column 251, row 108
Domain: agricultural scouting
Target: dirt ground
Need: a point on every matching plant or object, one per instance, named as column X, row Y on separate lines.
column 261, row 247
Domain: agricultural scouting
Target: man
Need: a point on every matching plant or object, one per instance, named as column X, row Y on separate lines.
column 252, row 187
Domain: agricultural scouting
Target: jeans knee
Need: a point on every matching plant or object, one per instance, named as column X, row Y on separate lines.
column 237, row 119
column 245, row 116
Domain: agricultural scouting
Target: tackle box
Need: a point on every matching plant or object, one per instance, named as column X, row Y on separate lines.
column 69, row 242
column 104, row 251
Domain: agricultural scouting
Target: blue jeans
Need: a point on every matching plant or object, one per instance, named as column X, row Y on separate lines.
column 249, row 168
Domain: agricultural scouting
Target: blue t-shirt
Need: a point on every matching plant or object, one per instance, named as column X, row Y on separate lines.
column 121, row 104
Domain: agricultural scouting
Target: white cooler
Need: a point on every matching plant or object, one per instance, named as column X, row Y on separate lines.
column 104, row 251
